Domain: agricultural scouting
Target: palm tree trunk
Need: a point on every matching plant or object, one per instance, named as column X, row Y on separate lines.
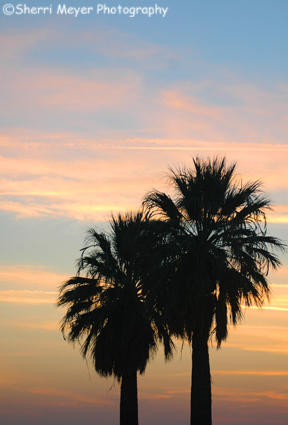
column 129, row 399
column 201, row 403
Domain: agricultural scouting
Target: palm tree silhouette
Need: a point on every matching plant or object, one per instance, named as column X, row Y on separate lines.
column 220, row 256
column 107, row 308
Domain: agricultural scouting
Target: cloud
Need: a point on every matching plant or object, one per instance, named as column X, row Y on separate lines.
column 87, row 179
column 24, row 284
column 62, row 394
column 48, row 326
column 279, row 213
column 113, row 90
column 251, row 372
column 235, row 395
column 27, row 297
column 234, row 110
column 101, row 41
column 18, row 42
column 30, row 275
column 149, row 396
column 45, row 93
column 261, row 338
column 55, row 91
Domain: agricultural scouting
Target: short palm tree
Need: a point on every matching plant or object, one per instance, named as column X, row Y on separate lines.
column 220, row 256
column 107, row 308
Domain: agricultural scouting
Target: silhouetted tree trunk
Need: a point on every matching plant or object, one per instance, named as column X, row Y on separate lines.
column 128, row 399
column 201, row 381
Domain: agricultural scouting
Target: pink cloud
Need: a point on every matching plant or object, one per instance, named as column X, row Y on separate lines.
column 110, row 42
column 177, row 100
column 93, row 178
column 243, row 112
column 48, row 90
column 18, row 42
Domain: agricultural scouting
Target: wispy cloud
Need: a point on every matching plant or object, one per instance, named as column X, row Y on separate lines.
column 93, row 178
column 63, row 394
column 30, row 275
column 27, row 297
column 251, row 372
column 45, row 325
column 54, row 91
column 235, row 111
column 102, row 41
column 97, row 139
column 24, row 284
column 247, row 396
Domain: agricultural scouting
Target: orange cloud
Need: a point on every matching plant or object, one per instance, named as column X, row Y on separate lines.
column 29, row 284
column 93, row 178
column 25, row 274
column 151, row 396
column 246, row 396
column 67, row 394
column 48, row 326
column 251, row 372
column 280, row 212
column 27, row 297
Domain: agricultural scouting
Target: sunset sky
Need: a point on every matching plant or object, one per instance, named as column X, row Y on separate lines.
column 94, row 109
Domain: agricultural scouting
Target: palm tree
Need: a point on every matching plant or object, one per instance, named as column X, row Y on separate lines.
column 220, row 255
column 107, row 308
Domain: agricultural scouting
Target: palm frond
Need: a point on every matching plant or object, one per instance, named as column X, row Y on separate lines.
column 217, row 239
column 109, row 308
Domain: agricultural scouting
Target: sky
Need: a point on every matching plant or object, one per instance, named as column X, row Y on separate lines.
column 94, row 109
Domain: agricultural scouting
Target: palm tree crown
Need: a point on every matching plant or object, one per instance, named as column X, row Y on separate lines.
column 221, row 257
column 107, row 310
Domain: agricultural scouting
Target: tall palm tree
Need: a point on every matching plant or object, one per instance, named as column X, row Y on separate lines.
column 220, row 255
column 107, row 308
